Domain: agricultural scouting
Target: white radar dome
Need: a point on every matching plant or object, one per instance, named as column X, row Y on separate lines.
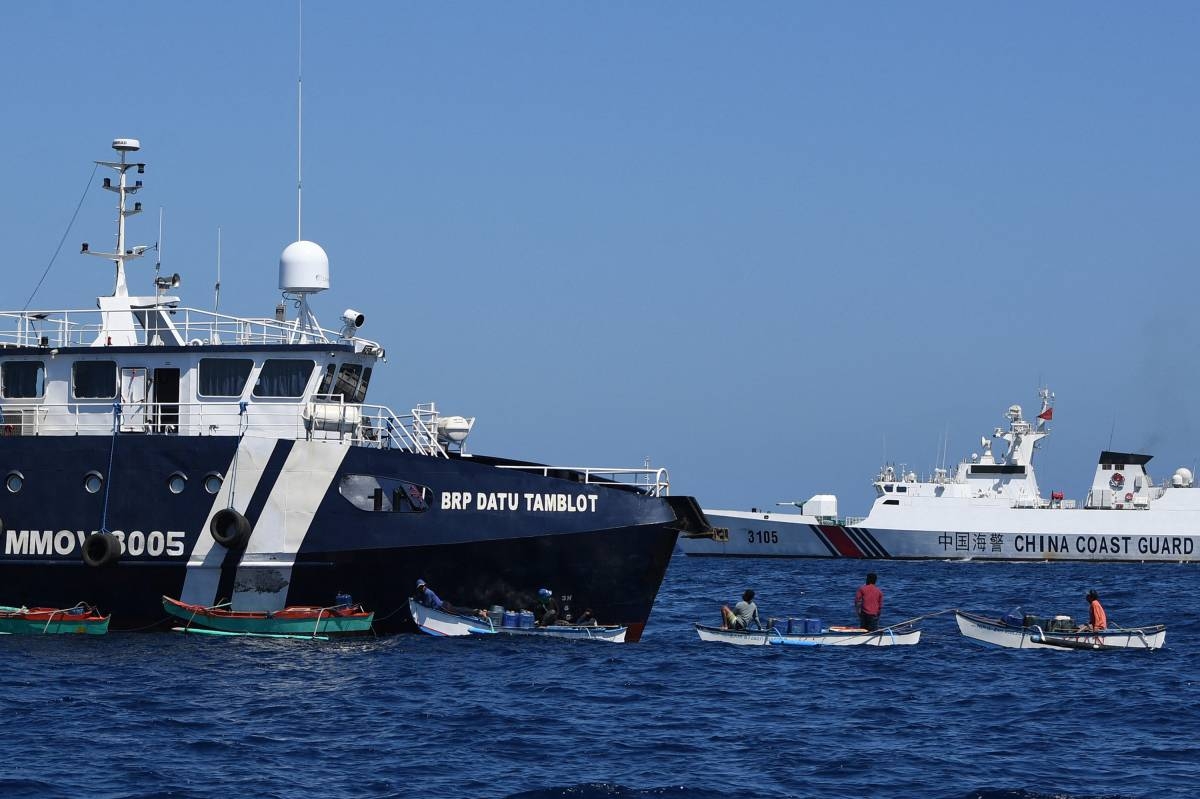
column 304, row 268
column 1184, row 475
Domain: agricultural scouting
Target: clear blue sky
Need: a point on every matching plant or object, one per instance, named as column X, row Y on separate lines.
column 756, row 243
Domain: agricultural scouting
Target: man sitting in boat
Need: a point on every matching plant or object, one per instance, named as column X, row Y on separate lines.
column 742, row 615
column 1097, row 620
column 546, row 612
column 429, row 599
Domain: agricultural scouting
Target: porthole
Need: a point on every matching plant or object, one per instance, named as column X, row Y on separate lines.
column 177, row 482
column 93, row 482
column 14, row 482
column 212, row 482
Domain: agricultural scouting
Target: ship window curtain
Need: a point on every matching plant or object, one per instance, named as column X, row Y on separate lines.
column 280, row 378
column 224, row 377
column 23, row 379
column 95, row 379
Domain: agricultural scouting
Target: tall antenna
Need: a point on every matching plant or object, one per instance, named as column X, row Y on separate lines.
column 158, row 244
column 299, row 111
column 217, row 285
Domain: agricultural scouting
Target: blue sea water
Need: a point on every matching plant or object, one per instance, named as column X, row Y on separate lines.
column 160, row 715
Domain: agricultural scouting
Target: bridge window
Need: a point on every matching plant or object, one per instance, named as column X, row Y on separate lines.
column 23, row 379
column 95, row 379
column 384, row 494
column 280, row 378
column 351, row 382
column 224, row 377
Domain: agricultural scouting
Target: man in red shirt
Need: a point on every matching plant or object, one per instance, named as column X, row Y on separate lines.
column 869, row 603
column 1097, row 620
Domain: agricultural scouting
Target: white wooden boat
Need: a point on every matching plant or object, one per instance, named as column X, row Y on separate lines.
column 1057, row 632
column 901, row 635
column 439, row 622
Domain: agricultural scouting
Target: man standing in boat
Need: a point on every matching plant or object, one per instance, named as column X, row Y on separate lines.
column 1097, row 619
column 868, row 602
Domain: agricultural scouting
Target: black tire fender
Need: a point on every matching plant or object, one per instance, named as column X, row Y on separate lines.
column 101, row 549
column 230, row 529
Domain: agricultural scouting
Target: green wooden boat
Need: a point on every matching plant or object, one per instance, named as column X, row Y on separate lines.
column 298, row 621
column 82, row 619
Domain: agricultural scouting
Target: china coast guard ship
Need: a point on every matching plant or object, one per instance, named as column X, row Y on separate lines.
column 989, row 508
column 148, row 449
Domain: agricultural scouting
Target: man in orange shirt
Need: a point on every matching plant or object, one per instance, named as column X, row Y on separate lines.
column 1096, row 618
column 868, row 602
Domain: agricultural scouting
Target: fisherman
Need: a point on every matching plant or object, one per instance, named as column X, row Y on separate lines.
column 742, row 614
column 546, row 612
column 1097, row 620
column 868, row 603
column 429, row 599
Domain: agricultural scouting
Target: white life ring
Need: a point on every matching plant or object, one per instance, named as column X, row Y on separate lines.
column 1117, row 481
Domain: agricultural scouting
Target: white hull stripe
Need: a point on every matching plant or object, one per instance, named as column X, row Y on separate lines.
column 242, row 478
column 265, row 572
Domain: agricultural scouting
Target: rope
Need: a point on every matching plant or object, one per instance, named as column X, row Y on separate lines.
column 66, row 232
column 108, row 475
column 242, row 425
column 916, row 619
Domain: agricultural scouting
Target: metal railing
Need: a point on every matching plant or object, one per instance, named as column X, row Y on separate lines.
column 322, row 418
column 651, row 481
column 79, row 328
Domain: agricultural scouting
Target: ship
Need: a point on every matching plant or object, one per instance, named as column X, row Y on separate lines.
column 150, row 449
column 987, row 508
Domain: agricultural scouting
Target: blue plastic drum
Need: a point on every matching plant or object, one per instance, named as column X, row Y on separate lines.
column 510, row 618
column 527, row 619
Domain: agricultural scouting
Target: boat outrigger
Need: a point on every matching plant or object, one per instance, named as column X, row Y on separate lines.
column 81, row 619
column 442, row 623
column 290, row 622
column 1023, row 631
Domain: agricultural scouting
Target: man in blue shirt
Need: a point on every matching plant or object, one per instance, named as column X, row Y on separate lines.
column 427, row 598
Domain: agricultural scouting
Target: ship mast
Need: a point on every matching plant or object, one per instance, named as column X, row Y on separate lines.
column 123, row 190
